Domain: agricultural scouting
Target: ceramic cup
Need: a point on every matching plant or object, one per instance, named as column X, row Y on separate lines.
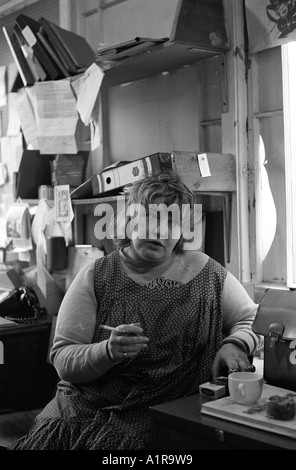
column 245, row 388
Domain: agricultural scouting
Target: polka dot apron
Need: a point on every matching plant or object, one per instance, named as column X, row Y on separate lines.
column 184, row 325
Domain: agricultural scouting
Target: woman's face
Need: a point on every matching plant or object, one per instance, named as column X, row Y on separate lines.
column 154, row 232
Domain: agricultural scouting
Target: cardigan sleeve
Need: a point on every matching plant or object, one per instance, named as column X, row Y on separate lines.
column 73, row 354
column 239, row 312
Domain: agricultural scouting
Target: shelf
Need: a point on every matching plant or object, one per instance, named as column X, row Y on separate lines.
column 95, row 200
column 195, row 29
column 160, row 58
column 227, row 211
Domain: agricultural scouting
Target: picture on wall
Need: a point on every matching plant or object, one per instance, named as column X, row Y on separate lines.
column 270, row 23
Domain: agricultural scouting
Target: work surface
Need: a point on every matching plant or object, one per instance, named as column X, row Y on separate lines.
column 180, row 425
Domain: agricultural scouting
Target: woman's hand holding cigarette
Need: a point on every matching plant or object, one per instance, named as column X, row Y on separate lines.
column 125, row 342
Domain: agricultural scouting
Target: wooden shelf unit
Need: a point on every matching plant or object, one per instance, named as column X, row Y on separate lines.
column 158, row 59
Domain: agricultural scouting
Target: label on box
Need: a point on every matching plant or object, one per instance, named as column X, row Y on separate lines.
column 211, row 390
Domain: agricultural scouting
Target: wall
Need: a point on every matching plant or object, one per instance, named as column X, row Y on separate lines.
column 191, row 118
column 179, row 110
column 176, row 110
column 182, row 110
column 158, row 114
column 142, row 18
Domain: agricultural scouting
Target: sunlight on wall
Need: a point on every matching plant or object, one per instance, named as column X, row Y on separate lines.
column 268, row 218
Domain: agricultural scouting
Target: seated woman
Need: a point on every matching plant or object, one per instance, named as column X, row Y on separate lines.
column 178, row 318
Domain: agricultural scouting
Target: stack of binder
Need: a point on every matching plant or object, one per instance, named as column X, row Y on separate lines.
column 43, row 50
column 112, row 180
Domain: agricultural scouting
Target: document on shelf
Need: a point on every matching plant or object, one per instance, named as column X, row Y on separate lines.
column 27, row 118
column 87, row 89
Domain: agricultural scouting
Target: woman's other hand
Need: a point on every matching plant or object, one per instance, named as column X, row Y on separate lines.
column 230, row 356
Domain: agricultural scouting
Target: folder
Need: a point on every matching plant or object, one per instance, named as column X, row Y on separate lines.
column 19, row 58
column 58, row 46
column 110, row 180
column 36, row 68
column 76, row 46
column 42, row 36
column 120, row 176
column 29, row 28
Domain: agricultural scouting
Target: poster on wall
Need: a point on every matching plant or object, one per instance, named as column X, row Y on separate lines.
column 270, row 23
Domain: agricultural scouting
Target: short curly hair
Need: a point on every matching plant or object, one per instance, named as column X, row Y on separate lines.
column 167, row 186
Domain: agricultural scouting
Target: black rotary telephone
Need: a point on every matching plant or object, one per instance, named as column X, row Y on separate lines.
column 22, row 306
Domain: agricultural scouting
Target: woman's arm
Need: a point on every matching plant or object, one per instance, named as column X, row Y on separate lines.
column 73, row 355
column 239, row 312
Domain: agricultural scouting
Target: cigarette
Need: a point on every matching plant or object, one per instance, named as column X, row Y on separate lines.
column 106, row 327
column 111, row 328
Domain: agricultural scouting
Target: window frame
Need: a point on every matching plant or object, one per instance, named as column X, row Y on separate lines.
column 288, row 70
column 289, row 99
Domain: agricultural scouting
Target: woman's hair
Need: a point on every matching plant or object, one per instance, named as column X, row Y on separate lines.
column 167, row 187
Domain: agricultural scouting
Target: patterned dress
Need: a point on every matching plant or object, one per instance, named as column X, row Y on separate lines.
column 184, row 325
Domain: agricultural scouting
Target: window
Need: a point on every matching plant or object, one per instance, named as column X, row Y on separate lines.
column 289, row 97
column 273, row 166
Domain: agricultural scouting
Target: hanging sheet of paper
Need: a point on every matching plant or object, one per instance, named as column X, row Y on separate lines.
column 14, row 124
column 11, row 149
column 204, row 167
column 95, row 134
column 25, row 110
column 44, row 225
column 39, row 225
column 60, row 129
column 18, row 227
column 62, row 203
column 87, row 91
